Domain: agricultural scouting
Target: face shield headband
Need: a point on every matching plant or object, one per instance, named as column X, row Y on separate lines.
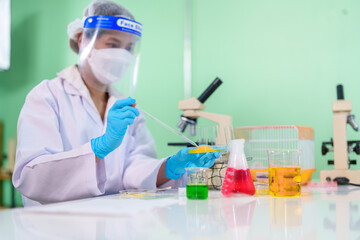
column 114, row 23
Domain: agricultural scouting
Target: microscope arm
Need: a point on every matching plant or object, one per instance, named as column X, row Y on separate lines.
column 223, row 121
column 195, row 104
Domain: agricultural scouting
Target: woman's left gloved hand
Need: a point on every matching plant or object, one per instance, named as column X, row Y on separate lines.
column 176, row 164
column 120, row 116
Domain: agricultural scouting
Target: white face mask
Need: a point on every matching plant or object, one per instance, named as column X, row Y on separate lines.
column 109, row 64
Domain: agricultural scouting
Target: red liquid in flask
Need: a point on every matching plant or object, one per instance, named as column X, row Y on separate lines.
column 237, row 181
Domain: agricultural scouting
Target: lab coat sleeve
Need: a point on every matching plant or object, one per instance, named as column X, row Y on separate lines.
column 142, row 166
column 44, row 172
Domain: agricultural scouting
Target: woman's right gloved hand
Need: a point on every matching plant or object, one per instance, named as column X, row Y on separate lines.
column 119, row 117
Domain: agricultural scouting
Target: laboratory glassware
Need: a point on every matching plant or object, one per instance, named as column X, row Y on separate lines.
column 259, row 139
column 237, row 177
column 207, row 139
column 197, row 183
column 284, row 172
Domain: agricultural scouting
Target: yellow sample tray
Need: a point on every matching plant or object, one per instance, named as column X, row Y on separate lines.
column 207, row 149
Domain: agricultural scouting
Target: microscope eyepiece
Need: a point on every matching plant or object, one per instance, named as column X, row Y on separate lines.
column 340, row 92
column 211, row 88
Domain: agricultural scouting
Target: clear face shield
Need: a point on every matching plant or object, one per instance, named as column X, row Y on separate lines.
column 109, row 54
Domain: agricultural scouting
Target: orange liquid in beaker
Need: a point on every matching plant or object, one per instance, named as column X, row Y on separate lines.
column 284, row 181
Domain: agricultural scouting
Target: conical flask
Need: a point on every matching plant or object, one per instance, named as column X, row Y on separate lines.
column 237, row 176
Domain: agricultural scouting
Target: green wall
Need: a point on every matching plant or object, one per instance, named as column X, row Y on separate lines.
column 280, row 60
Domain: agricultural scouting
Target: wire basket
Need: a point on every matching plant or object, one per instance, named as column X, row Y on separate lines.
column 259, row 139
column 217, row 174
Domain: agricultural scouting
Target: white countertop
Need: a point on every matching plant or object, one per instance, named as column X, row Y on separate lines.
column 317, row 214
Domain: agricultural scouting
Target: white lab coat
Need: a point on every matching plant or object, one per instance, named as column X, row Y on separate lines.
column 54, row 159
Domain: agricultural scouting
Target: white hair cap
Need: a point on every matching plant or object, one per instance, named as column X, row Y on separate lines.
column 95, row 8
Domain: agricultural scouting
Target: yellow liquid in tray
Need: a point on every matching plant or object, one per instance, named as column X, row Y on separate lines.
column 284, row 181
column 205, row 149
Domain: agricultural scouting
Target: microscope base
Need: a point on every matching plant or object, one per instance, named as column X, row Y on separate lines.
column 352, row 175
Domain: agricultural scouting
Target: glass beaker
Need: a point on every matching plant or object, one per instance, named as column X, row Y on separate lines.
column 284, row 172
column 197, row 183
column 229, row 134
column 207, row 135
column 207, row 138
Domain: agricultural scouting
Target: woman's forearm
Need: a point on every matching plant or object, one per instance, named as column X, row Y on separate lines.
column 161, row 177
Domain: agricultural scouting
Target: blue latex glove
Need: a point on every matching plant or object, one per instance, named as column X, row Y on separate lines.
column 119, row 117
column 176, row 164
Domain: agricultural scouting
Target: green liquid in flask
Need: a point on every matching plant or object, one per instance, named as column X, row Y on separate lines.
column 197, row 191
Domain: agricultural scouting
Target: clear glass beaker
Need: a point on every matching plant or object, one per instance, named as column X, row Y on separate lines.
column 284, row 172
column 207, row 134
column 208, row 140
column 197, row 183
column 229, row 134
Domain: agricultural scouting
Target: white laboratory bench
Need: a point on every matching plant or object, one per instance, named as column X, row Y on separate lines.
column 317, row 214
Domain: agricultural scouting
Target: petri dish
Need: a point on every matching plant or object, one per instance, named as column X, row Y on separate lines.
column 207, row 149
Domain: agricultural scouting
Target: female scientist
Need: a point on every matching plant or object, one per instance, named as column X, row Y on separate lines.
column 78, row 137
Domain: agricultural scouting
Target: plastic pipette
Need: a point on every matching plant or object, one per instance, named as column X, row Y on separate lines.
column 167, row 127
